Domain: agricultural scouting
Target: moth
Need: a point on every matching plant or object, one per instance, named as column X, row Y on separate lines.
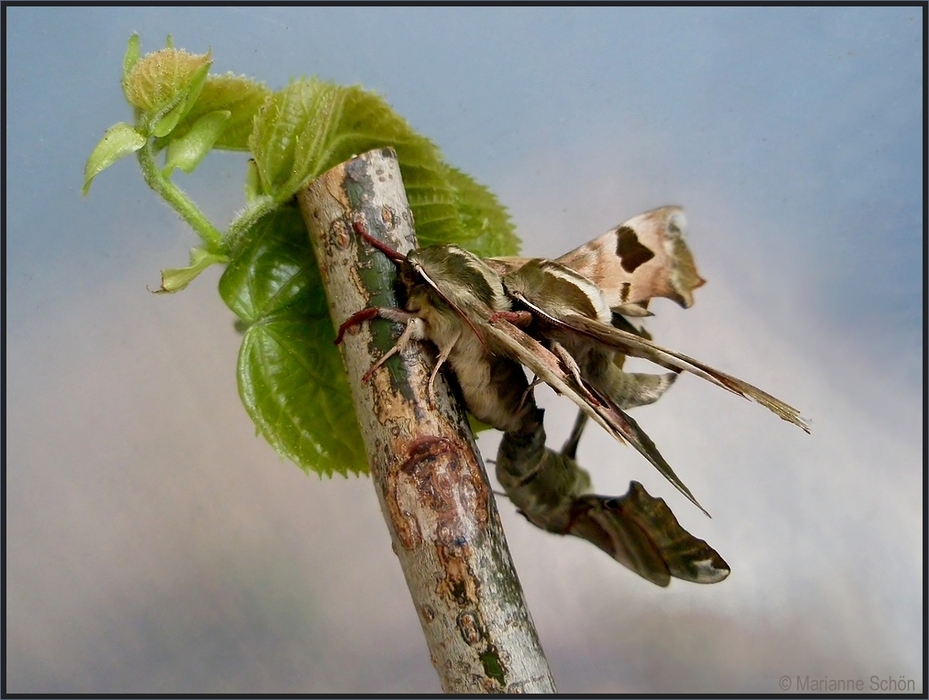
column 564, row 320
column 639, row 531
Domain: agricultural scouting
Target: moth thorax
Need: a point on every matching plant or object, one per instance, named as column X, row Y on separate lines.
column 461, row 277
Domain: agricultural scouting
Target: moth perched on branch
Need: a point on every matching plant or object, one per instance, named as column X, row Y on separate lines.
column 564, row 321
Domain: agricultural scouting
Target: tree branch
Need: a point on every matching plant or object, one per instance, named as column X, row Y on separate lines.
column 429, row 477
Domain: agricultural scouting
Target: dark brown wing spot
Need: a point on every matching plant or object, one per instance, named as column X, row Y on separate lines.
column 631, row 253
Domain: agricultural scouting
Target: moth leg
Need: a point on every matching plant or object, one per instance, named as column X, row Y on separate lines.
column 572, row 367
column 359, row 317
column 444, row 351
column 520, row 319
column 570, row 447
column 413, row 331
column 528, row 392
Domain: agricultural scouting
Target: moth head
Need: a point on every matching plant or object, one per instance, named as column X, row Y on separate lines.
column 451, row 277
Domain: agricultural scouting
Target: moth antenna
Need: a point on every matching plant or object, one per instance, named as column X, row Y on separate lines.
column 548, row 317
column 362, row 230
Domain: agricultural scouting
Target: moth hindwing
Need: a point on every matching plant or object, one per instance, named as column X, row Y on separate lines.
column 638, row 260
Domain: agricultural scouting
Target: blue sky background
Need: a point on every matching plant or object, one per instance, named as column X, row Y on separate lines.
column 155, row 545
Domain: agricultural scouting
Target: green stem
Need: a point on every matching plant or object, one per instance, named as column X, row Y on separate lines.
column 244, row 222
column 179, row 200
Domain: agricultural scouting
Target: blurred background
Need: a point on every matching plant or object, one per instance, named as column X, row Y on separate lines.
column 155, row 545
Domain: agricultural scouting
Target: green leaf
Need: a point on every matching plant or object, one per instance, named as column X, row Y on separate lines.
column 176, row 279
column 312, row 126
column 486, row 228
column 291, row 378
column 187, row 151
column 119, row 141
column 164, row 120
column 133, row 52
column 240, row 96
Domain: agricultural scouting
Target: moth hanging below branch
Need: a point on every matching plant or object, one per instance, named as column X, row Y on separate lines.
column 563, row 320
column 639, row 531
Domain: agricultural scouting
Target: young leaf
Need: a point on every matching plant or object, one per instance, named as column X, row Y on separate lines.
column 164, row 122
column 240, row 96
column 156, row 79
column 164, row 85
column 119, row 141
column 176, row 279
column 253, row 189
column 290, row 133
column 186, row 152
column 291, row 377
column 133, row 52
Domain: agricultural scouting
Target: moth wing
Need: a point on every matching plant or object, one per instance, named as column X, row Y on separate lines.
column 593, row 519
column 637, row 346
column 548, row 367
column 642, row 258
column 632, row 389
column 687, row 557
column 505, row 265
column 641, row 533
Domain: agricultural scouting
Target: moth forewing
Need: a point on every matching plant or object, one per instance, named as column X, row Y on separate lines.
column 572, row 308
column 548, row 367
column 461, row 278
column 636, row 346
column 642, row 258
column 641, row 532
column 686, row 556
column 553, row 291
column 557, row 290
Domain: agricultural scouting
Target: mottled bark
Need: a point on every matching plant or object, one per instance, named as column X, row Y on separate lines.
column 428, row 474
